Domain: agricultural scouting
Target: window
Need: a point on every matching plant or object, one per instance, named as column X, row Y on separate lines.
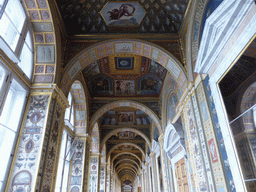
column 14, row 97
column 64, row 162
column 16, row 54
column 16, row 40
column 67, row 148
column 69, row 114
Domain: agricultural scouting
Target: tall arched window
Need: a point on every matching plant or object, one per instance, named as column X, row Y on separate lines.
column 16, row 54
column 66, row 150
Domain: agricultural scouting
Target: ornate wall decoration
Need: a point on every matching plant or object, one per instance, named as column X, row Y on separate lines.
column 52, row 150
column 219, row 139
column 93, row 181
column 26, row 160
column 77, row 167
column 195, row 149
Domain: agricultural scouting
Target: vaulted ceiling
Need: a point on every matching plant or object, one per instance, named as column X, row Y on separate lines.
column 144, row 16
column 127, row 132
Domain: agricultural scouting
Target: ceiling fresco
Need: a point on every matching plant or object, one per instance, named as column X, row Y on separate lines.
column 124, row 76
column 102, row 16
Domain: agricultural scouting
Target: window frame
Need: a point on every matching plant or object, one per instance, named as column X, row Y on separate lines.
column 5, row 63
column 15, row 54
column 69, row 133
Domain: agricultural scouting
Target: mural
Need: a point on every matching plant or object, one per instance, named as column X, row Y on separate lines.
column 124, row 87
column 171, row 107
column 101, row 85
column 149, row 84
column 123, row 14
column 125, row 118
column 195, row 147
column 126, row 135
column 124, row 63
column 157, row 70
column 91, row 70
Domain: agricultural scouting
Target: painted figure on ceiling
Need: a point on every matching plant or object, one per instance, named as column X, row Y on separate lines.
column 123, row 10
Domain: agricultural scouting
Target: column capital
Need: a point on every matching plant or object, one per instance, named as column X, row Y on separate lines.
column 51, row 88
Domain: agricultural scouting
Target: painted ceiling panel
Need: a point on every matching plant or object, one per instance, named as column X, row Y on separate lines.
column 124, row 75
column 102, row 16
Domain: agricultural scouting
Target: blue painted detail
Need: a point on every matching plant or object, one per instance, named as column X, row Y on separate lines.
column 222, row 148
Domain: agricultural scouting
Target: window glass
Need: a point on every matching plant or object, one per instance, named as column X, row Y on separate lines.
column 8, row 32
column 9, row 122
column 61, row 161
column 15, row 14
column 67, row 113
column 26, row 59
column 28, row 40
column 64, row 163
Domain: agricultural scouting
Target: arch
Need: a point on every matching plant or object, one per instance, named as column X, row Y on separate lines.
column 131, row 160
column 125, row 165
column 130, row 167
column 131, row 144
column 124, row 46
column 124, row 129
column 44, row 37
column 126, row 103
column 126, row 171
column 125, row 153
column 80, row 109
column 174, row 139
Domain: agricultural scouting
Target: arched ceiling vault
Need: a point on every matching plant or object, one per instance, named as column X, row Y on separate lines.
column 126, row 103
column 126, row 160
column 129, row 144
column 124, row 153
column 127, row 166
column 123, row 130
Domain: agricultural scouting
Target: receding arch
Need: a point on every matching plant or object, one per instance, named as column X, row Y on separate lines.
column 125, row 153
column 80, row 109
column 126, row 103
column 131, row 144
column 126, row 171
column 125, row 129
column 125, row 165
column 135, row 47
column 131, row 160
column 128, row 168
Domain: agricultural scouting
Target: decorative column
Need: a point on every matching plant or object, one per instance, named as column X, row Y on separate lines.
column 142, row 180
column 103, row 175
column 108, row 178
column 78, row 170
column 37, row 149
column 86, row 164
column 163, row 163
column 111, row 181
column 94, row 172
column 154, row 171
column 148, row 178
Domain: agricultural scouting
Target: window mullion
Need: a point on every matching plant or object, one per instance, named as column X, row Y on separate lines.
column 64, row 161
column 21, row 40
